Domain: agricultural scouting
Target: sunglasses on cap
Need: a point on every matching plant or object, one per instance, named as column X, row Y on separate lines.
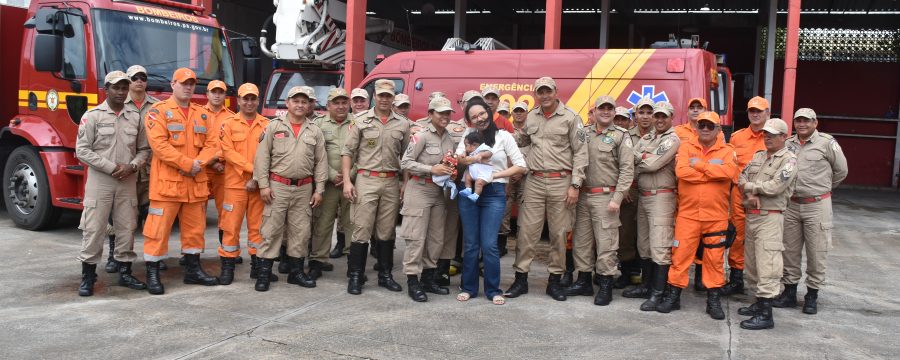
column 706, row 125
column 139, row 76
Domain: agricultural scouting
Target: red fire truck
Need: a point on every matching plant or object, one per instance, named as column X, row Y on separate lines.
column 64, row 51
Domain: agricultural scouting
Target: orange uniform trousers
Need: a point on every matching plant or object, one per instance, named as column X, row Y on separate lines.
column 688, row 235
column 739, row 219
column 161, row 216
column 237, row 205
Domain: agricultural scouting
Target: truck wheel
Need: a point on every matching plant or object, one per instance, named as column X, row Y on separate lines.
column 27, row 190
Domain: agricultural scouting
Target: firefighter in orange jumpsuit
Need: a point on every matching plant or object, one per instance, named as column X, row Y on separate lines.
column 239, row 137
column 706, row 170
column 178, row 133
column 215, row 170
column 746, row 142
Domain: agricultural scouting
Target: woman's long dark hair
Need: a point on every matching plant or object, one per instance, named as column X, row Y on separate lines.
column 491, row 131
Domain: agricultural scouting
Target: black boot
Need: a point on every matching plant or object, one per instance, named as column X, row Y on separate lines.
column 163, row 266
column 735, row 283
column 386, row 259
column 714, row 303
column 194, row 274
column 264, row 270
column 254, row 269
column 762, row 319
column 787, row 298
column 283, row 266
column 297, row 276
column 751, row 310
column 566, row 279
column 227, row 274
column 518, row 287
column 154, row 285
column 239, row 260
column 642, row 291
column 501, row 244
column 338, row 250
column 112, row 265
column 357, row 263
column 415, row 289
column 88, row 278
column 429, row 285
column 671, row 300
column 442, row 274
column 555, row 289
column 581, row 286
column 127, row 280
column 658, row 287
column 698, row 278
column 810, row 305
column 604, row 294
column 315, row 269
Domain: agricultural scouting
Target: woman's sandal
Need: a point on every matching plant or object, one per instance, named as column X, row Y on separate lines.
column 499, row 300
column 463, row 296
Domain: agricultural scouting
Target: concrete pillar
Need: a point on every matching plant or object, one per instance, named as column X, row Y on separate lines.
column 459, row 19
column 770, row 48
column 553, row 24
column 791, row 49
column 355, row 58
column 604, row 24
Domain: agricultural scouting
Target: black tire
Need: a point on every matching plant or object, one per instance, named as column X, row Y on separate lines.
column 39, row 212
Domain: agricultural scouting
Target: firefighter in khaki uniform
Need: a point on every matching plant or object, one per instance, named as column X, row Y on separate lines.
column 424, row 211
column 112, row 142
column 335, row 126
column 238, row 139
column 766, row 183
column 557, row 160
column 177, row 131
column 290, row 157
column 655, row 166
column 706, row 170
column 746, row 142
column 821, row 167
column 608, row 176
column 377, row 139
column 215, row 170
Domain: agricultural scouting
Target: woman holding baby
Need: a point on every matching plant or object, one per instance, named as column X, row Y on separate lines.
column 481, row 215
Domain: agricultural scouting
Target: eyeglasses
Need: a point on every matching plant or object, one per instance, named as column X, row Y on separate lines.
column 706, row 125
column 480, row 116
column 141, row 77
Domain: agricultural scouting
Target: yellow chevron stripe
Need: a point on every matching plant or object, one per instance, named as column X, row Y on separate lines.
column 631, row 72
column 580, row 101
column 612, row 73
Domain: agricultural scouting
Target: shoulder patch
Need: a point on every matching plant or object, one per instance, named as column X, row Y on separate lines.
column 665, row 145
column 788, row 168
column 581, row 135
column 834, row 145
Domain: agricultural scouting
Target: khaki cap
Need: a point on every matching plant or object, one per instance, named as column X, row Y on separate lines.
column 114, row 77
column 440, row 104
column 310, row 91
column 300, row 90
column 644, row 101
column 134, row 70
column 471, row 94
column 489, row 90
column 504, row 106
column 805, row 112
column 545, row 81
column 775, row 126
column 357, row 92
column 216, row 84
column 337, row 92
column 401, row 99
column 758, row 103
column 384, row 86
column 520, row 105
column 663, row 107
column 605, row 99
column 623, row 111
column 184, row 74
column 709, row 116
column 435, row 94
column 246, row 89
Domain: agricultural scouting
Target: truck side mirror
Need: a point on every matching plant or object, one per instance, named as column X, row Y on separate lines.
column 48, row 49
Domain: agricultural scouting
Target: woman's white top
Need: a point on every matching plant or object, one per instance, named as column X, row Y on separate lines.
column 504, row 149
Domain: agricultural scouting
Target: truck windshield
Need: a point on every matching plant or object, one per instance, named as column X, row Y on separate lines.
column 281, row 83
column 161, row 46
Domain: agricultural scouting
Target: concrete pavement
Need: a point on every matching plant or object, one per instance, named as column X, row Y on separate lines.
column 42, row 316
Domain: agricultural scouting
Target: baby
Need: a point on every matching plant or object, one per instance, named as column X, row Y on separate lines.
column 481, row 172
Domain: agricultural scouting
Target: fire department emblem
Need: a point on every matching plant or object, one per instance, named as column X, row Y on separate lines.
column 52, row 100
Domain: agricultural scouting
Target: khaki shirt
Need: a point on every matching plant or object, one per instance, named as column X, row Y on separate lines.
column 557, row 142
column 106, row 139
column 654, row 159
column 282, row 153
column 770, row 177
column 335, row 137
column 609, row 160
column 377, row 146
column 821, row 164
column 426, row 149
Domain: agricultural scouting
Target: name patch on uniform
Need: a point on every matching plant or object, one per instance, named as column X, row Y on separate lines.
column 200, row 129
column 717, row 161
column 175, row 127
